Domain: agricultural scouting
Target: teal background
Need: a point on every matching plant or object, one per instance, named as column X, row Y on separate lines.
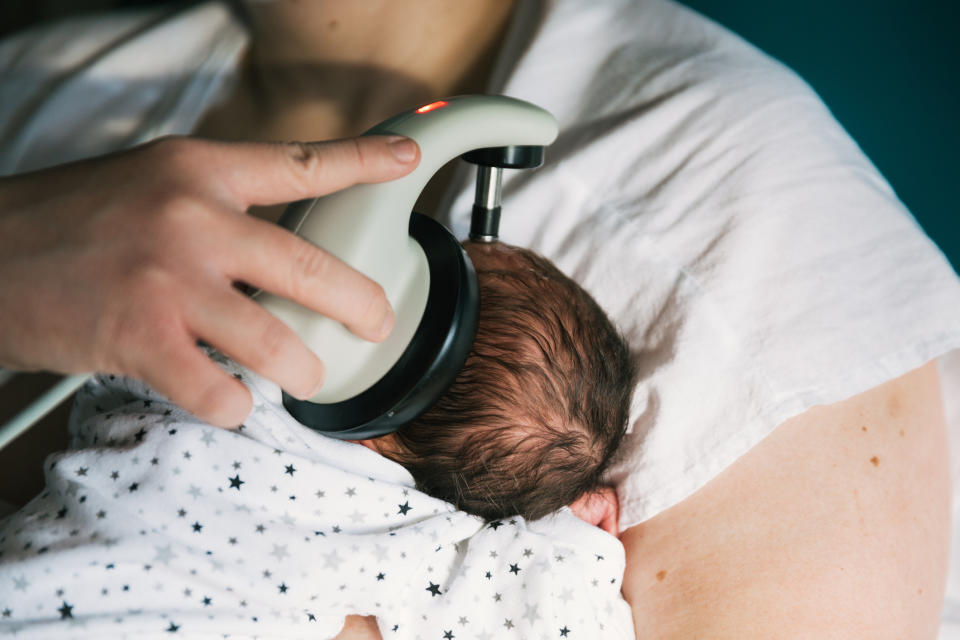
column 890, row 72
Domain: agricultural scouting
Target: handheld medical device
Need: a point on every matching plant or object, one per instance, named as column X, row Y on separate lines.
column 375, row 388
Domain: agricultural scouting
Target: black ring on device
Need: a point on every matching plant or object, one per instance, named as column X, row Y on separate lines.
column 431, row 361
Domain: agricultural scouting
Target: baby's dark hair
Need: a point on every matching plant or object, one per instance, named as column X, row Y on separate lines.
column 534, row 418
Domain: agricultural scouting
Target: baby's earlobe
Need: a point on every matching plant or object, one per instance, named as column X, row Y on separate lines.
column 599, row 508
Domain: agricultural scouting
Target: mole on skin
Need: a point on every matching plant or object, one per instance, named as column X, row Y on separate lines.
column 875, row 460
column 661, row 575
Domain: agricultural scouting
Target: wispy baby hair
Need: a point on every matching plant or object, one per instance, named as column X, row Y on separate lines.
column 540, row 407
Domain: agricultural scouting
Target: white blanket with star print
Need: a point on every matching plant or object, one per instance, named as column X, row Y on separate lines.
column 157, row 525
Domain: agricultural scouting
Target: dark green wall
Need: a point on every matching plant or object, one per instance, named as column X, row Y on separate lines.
column 890, row 72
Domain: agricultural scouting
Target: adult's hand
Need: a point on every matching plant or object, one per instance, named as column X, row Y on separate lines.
column 121, row 263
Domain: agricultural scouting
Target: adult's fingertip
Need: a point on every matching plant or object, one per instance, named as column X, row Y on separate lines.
column 387, row 325
column 312, row 386
column 227, row 405
column 404, row 149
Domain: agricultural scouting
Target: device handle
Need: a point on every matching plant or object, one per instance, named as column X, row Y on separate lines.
column 366, row 226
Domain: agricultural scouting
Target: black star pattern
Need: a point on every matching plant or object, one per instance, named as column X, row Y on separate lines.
column 291, row 529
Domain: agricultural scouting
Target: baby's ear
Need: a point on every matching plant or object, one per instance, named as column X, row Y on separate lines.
column 599, row 508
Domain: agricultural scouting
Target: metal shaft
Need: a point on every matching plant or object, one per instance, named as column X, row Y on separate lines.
column 485, row 223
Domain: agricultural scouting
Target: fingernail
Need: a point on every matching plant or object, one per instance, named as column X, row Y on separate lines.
column 404, row 149
column 387, row 324
column 316, row 389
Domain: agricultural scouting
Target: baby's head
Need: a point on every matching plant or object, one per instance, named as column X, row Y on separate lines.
column 540, row 407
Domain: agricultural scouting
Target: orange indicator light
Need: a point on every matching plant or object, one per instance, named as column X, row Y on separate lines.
column 433, row 105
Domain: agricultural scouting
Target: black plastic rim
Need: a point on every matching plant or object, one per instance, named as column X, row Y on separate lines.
column 518, row 157
column 431, row 361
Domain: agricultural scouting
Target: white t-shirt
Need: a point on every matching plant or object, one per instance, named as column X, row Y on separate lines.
column 756, row 260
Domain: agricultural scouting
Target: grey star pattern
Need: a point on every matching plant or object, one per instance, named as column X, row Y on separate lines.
column 280, row 552
column 209, row 540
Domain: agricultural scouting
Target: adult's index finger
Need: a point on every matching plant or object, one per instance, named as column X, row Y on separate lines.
column 262, row 173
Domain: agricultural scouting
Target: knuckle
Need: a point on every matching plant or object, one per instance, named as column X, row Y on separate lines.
column 172, row 151
column 359, row 155
column 141, row 334
column 310, row 266
column 174, row 223
column 173, row 211
column 274, row 337
column 306, row 160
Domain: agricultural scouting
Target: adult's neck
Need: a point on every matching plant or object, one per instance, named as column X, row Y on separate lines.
column 352, row 64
